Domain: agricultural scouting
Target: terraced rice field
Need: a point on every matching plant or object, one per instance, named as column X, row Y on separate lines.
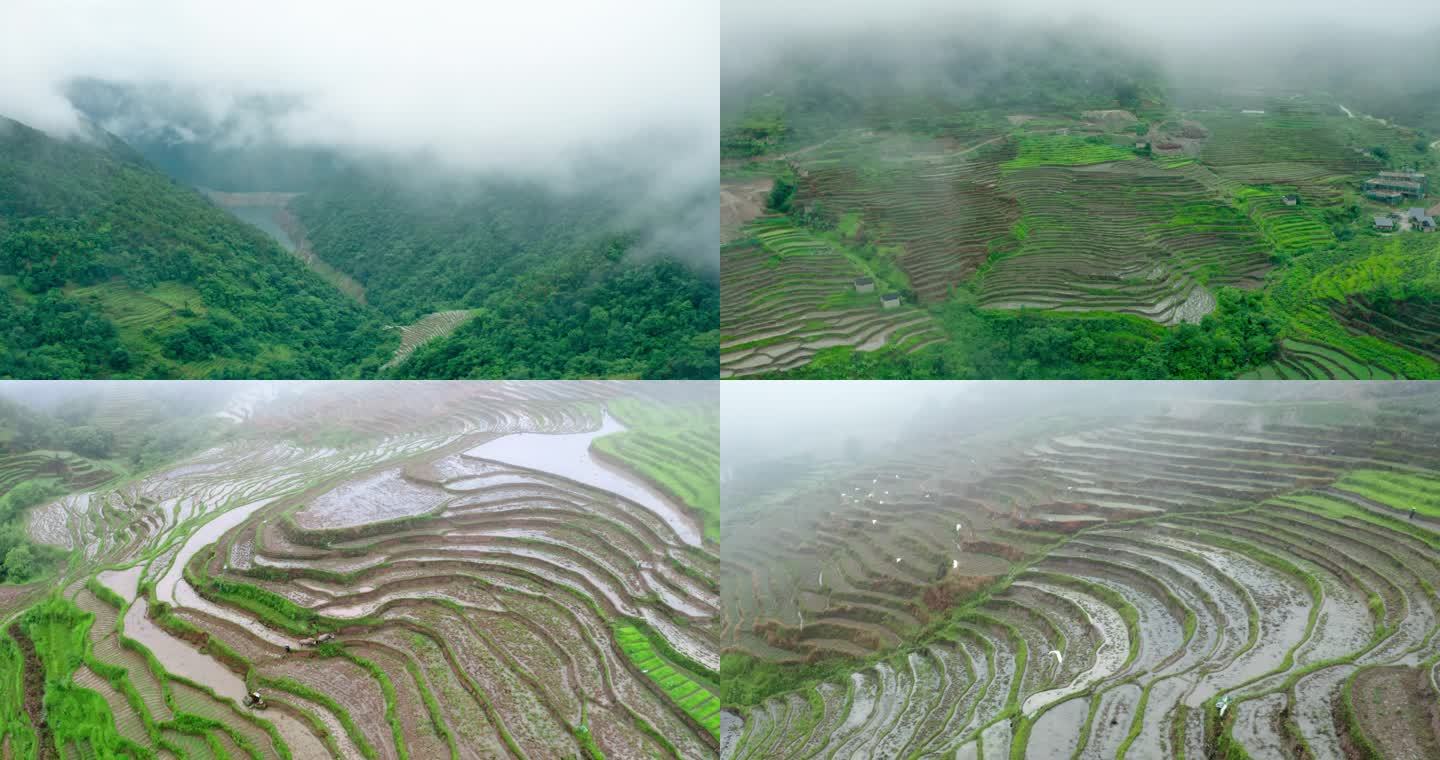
column 1063, row 215
column 430, row 327
column 1128, row 237
column 70, row 470
column 790, row 294
column 943, row 207
column 483, row 588
column 1216, row 578
column 1363, row 311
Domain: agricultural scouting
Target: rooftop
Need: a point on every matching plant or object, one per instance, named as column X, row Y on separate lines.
column 1388, row 182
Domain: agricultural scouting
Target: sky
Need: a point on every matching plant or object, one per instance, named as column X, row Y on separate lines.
column 524, row 86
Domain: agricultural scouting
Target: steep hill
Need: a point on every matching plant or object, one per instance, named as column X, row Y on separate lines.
column 557, row 287
column 108, row 268
column 111, row 268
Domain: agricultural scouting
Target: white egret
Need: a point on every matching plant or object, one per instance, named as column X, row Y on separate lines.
column 954, row 564
column 897, row 560
column 872, row 522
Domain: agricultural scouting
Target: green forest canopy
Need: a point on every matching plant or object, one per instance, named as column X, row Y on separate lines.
column 108, row 268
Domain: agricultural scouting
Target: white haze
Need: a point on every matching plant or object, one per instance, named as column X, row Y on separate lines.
column 1190, row 37
column 530, row 87
column 783, row 418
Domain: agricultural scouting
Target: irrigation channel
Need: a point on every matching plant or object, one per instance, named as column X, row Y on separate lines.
column 1207, row 581
column 402, row 570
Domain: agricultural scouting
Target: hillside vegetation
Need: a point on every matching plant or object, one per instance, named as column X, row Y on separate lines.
column 109, row 268
column 553, row 294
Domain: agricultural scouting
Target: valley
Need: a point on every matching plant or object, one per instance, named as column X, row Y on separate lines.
column 111, row 269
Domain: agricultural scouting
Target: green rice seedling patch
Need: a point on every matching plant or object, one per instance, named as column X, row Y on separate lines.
column 1403, row 491
column 1064, row 150
column 698, row 703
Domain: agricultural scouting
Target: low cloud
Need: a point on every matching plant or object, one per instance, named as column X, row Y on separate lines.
column 524, row 87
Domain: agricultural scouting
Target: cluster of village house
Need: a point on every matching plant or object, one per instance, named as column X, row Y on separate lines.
column 867, row 285
column 1395, row 188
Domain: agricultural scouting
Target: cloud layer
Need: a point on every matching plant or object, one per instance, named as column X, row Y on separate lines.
column 525, row 85
column 1188, row 36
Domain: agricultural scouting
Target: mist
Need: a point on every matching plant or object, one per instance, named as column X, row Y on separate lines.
column 280, row 96
column 516, row 86
column 1228, row 44
column 180, row 397
column 824, row 419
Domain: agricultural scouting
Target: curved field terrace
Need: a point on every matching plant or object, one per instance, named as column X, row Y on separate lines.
column 396, row 573
column 1219, row 577
column 1148, row 220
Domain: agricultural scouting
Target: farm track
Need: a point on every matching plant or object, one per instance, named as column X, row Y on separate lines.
column 1232, row 560
column 477, row 607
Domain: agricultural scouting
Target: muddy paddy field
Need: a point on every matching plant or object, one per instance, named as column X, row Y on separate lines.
column 397, row 573
column 1209, row 580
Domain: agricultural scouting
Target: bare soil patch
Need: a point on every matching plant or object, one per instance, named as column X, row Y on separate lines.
column 739, row 203
column 1396, row 708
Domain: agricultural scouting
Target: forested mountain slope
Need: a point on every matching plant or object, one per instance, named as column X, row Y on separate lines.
column 110, row 268
column 557, row 287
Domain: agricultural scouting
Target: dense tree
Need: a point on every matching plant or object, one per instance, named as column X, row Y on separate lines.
column 1241, row 333
column 90, row 212
column 110, row 269
column 558, row 289
column 89, row 441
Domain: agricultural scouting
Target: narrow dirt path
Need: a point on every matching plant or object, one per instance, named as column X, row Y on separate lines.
column 978, row 146
column 34, row 685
